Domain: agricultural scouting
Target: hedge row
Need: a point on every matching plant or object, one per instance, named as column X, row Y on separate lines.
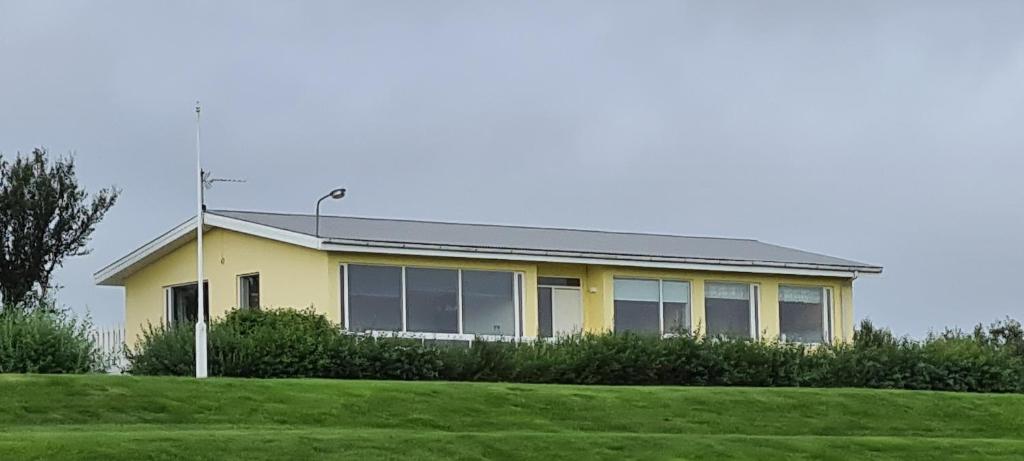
column 288, row 343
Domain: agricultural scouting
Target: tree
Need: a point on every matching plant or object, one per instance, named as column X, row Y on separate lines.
column 45, row 217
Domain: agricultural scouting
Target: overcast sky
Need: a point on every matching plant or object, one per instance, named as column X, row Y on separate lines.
column 886, row 132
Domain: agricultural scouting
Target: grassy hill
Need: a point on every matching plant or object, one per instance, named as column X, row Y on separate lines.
column 103, row 417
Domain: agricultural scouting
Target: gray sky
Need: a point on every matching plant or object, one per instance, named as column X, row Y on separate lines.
column 886, row 132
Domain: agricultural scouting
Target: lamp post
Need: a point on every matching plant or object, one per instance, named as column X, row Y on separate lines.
column 335, row 194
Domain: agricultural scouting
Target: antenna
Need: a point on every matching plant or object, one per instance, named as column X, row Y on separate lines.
column 208, row 180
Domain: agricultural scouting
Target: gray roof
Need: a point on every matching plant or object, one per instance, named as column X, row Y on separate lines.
column 376, row 231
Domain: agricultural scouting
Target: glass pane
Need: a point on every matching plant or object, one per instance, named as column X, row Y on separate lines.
column 432, row 300
column 185, row 303
column 727, row 308
column 636, row 306
column 544, row 312
column 375, row 298
column 488, row 306
column 636, row 290
column 810, row 295
column 677, row 317
column 676, row 292
column 250, row 292
column 727, row 291
column 558, row 281
column 800, row 314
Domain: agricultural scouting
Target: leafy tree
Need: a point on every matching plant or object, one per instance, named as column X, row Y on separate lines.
column 45, row 217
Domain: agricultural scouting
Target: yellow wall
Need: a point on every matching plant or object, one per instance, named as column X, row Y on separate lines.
column 293, row 276
column 290, row 276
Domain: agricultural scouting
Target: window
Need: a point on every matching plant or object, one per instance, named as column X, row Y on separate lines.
column 182, row 303
column 675, row 299
column 249, row 291
column 558, row 281
column 431, row 303
column 374, row 298
column 805, row 314
column 432, row 300
column 488, row 304
column 652, row 306
column 731, row 309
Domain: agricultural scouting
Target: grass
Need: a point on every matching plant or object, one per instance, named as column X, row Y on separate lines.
column 109, row 417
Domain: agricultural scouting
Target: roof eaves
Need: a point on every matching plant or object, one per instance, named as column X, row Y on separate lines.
column 604, row 256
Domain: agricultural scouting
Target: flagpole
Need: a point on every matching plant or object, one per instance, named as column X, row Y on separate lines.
column 201, row 370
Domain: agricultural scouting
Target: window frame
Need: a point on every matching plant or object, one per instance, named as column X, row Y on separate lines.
column 578, row 287
column 169, row 300
column 754, row 305
column 661, row 300
column 518, row 285
column 241, row 287
column 827, row 313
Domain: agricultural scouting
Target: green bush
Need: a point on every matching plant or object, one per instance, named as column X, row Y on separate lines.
column 164, row 350
column 45, row 341
column 289, row 343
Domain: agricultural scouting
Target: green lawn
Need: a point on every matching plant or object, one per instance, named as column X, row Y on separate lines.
column 110, row 417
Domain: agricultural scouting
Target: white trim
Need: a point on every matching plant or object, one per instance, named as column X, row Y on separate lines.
column 459, row 299
column 107, row 275
column 405, row 310
column 344, row 293
column 238, row 284
column 661, row 306
column 112, row 274
column 755, row 308
column 661, row 300
column 606, row 261
column 437, row 336
column 517, row 288
column 260, row 230
column 167, row 305
column 828, row 314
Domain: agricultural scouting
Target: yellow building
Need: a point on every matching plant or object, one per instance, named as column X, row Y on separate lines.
column 451, row 281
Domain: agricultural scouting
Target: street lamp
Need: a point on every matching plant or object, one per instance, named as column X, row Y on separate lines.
column 335, row 194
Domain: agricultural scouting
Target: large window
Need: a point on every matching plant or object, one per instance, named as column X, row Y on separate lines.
column 488, row 303
column 652, row 306
column 431, row 303
column 432, row 300
column 805, row 314
column 249, row 291
column 182, row 303
column 731, row 309
column 374, row 298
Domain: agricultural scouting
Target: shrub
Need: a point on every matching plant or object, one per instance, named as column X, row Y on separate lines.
column 282, row 343
column 273, row 343
column 46, row 341
column 164, row 350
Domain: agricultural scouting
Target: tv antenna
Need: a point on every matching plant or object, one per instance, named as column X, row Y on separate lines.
column 209, row 180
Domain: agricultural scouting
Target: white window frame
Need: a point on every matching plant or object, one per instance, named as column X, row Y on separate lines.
column 661, row 300
column 238, row 283
column 517, row 299
column 754, row 291
column 827, row 314
column 169, row 299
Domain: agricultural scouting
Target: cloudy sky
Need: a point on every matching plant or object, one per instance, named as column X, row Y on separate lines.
column 886, row 132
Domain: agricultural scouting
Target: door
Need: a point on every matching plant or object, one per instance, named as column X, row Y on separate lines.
column 566, row 311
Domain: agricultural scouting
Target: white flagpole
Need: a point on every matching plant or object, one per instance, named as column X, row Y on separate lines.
column 201, row 371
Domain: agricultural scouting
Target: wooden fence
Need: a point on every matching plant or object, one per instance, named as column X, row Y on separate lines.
column 110, row 341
